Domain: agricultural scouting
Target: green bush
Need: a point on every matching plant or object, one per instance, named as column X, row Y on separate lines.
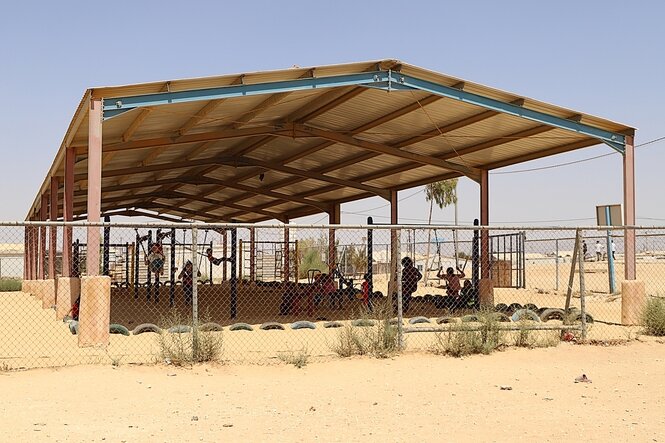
column 466, row 339
column 653, row 317
column 10, row 284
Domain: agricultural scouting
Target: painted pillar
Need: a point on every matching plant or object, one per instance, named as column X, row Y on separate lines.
column 32, row 242
column 334, row 218
column 629, row 209
column 224, row 253
column 68, row 212
column 94, row 184
column 394, row 255
column 287, row 264
column 484, row 221
column 25, row 253
column 485, row 285
column 53, row 236
column 252, row 254
column 43, row 215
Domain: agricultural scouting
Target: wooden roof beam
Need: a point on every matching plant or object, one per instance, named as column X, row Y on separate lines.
column 379, row 148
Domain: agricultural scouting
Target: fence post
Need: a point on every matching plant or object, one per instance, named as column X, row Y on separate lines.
column 398, row 274
column 195, row 295
column 557, row 264
column 580, row 258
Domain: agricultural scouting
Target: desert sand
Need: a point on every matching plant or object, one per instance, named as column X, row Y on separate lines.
column 414, row 397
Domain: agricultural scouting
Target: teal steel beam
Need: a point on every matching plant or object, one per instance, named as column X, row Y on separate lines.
column 386, row 80
column 614, row 140
column 119, row 105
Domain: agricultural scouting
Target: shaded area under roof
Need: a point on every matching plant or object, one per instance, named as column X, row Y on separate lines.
column 295, row 142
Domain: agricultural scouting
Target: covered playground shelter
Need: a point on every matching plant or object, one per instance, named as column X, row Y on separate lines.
column 277, row 145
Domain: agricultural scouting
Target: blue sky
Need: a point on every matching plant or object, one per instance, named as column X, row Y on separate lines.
column 603, row 58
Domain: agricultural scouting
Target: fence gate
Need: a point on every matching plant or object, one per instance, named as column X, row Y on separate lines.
column 508, row 261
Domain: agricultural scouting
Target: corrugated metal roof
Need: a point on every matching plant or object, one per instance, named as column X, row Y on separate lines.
column 256, row 157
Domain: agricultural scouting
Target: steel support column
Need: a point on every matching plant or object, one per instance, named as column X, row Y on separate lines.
column 629, row 209
column 68, row 212
column 252, row 254
column 287, row 265
column 94, row 184
column 43, row 215
column 394, row 256
column 484, row 221
column 334, row 218
column 53, row 235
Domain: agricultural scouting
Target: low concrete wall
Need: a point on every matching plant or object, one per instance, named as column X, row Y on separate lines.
column 486, row 293
column 69, row 288
column 633, row 300
column 95, row 312
column 48, row 291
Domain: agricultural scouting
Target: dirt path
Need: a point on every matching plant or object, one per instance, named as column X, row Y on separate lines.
column 413, row 397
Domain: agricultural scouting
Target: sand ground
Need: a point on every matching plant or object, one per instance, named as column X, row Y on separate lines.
column 413, row 397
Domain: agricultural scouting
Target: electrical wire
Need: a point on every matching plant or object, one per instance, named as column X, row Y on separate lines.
column 558, row 165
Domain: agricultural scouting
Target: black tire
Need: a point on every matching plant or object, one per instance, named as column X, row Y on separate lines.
column 362, row 322
column 552, row 314
column 272, row 326
column 470, row 318
column 211, row 327
column 514, row 307
column 180, row 329
column 446, row 320
column 576, row 317
column 501, row 307
column 428, row 298
column 240, row 327
column 541, row 310
column 74, row 327
column 420, row 319
column 303, row 324
column 115, row 328
column 531, row 307
column 146, row 327
column 332, row 324
column 525, row 314
column 500, row 317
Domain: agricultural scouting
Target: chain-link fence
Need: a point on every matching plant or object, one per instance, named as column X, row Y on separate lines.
column 250, row 293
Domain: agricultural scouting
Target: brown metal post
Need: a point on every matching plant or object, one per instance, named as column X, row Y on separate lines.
column 94, row 184
column 287, row 264
column 25, row 253
column 333, row 219
column 68, row 212
column 252, row 254
column 224, row 252
column 629, row 209
column 43, row 215
column 484, row 221
column 53, row 236
column 394, row 256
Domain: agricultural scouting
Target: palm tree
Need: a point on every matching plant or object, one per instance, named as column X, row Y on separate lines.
column 443, row 193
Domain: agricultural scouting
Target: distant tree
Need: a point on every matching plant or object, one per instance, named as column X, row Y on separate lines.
column 443, row 193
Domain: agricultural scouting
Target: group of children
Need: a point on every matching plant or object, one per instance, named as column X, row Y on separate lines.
column 155, row 260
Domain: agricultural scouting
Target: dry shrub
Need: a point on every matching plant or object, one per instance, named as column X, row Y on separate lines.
column 379, row 340
column 186, row 348
column 653, row 317
column 299, row 358
column 529, row 338
column 466, row 339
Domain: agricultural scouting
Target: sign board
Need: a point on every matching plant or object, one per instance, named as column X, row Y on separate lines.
column 615, row 215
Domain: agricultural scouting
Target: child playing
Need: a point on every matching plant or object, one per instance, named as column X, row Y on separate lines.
column 156, row 259
column 187, row 276
column 453, row 280
column 215, row 261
